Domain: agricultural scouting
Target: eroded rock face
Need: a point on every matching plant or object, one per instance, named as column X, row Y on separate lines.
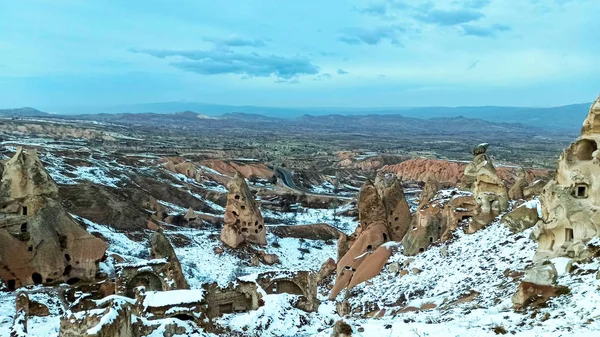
column 437, row 219
column 243, row 220
column 40, row 242
column 571, row 201
column 161, row 249
column 396, row 207
column 384, row 216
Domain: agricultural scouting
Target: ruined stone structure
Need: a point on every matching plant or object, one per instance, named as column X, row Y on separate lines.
column 437, row 219
column 161, row 249
column 239, row 297
column 120, row 309
column 303, row 283
column 154, row 275
column 243, row 220
column 40, row 242
column 571, row 201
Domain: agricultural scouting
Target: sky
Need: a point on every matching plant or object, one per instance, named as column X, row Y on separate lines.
column 299, row 53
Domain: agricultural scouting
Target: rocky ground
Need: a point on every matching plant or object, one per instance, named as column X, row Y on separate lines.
column 462, row 287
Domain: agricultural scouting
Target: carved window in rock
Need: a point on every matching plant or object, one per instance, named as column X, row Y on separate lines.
column 580, row 191
column 568, row 234
column 24, row 210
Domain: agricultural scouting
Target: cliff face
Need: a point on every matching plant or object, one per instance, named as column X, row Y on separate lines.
column 450, row 173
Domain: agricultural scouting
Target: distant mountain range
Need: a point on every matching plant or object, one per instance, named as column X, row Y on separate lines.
column 564, row 117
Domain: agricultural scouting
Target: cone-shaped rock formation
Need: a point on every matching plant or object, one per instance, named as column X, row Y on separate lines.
column 243, row 220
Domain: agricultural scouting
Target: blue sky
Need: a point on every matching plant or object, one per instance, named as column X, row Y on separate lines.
column 292, row 53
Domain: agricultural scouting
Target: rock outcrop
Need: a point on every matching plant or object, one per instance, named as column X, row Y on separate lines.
column 516, row 190
column 243, row 220
column 538, row 286
column 40, row 242
column 436, row 220
column 448, row 173
column 160, row 248
column 384, row 216
column 489, row 190
column 521, row 218
column 571, row 201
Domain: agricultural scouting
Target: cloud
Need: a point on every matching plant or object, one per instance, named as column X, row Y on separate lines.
column 449, row 17
column 475, row 4
column 214, row 62
column 473, row 65
column 484, row 31
column 238, row 41
column 371, row 36
column 342, row 72
column 378, row 9
column 321, row 77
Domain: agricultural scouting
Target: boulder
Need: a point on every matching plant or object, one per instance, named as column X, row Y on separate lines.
column 520, row 219
column 326, row 269
column 544, row 274
column 341, row 329
column 531, row 295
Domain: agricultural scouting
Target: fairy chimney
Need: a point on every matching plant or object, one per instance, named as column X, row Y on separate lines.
column 161, row 248
column 571, row 201
column 243, row 220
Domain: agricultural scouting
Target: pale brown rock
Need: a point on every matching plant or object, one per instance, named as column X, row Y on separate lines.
column 520, row 219
column 516, row 190
column 161, row 249
column 371, row 267
column 243, row 220
column 396, row 207
column 437, row 220
column 327, row 269
column 571, row 201
column 341, row 329
column 41, row 243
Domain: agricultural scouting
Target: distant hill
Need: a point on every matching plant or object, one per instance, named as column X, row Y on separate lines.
column 22, row 112
column 568, row 117
column 563, row 117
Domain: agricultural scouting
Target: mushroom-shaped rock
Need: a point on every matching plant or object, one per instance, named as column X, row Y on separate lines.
column 243, row 220
column 40, row 241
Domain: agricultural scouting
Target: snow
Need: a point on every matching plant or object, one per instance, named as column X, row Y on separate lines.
column 534, row 204
column 173, row 297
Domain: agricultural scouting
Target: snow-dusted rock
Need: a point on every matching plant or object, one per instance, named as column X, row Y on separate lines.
column 520, row 219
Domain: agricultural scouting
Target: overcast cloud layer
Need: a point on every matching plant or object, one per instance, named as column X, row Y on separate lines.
column 294, row 53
